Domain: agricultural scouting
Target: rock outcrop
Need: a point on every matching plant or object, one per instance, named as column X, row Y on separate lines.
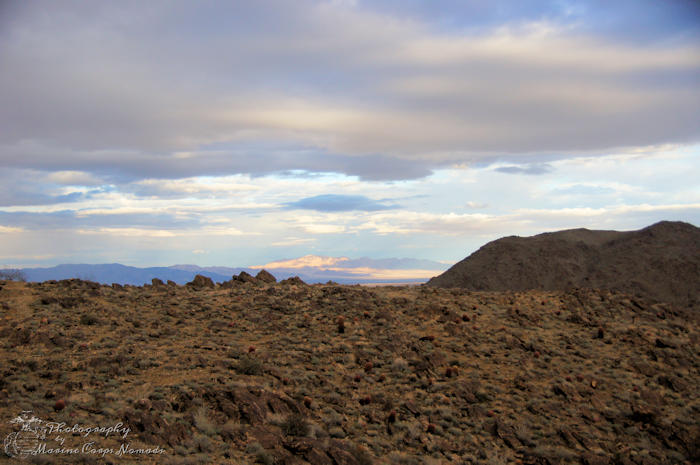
column 201, row 282
column 265, row 277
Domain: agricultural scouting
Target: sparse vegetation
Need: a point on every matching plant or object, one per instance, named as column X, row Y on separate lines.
column 88, row 319
column 204, row 423
column 295, row 425
column 260, row 454
column 249, row 365
column 406, row 384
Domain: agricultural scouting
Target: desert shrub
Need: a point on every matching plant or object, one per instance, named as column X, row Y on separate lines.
column 362, row 456
column 522, row 432
column 275, row 418
column 261, row 455
column 199, row 459
column 203, row 423
column 295, row 425
column 248, row 365
column 399, row 364
column 232, row 430
column 40, row 459
column 180, row 450
column 88, row 319
column 482, row 396
column 336, row 432
column 400, row 458
column 341, row 324
column 202, row 443
column 332, row 418
column 557, row 453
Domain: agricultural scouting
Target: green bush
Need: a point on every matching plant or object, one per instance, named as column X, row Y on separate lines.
column 248, row 365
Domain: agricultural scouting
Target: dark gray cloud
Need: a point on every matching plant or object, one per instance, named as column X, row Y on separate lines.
column 339, row 203
column 71, row 219
column 24, row 197
column 529, row 169
column 168, row 89
column 255, row 159
column 28, row 187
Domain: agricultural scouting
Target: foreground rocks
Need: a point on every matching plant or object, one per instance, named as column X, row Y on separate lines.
column 260, row 372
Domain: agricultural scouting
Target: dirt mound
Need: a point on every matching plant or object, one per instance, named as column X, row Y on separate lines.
column 660, row 262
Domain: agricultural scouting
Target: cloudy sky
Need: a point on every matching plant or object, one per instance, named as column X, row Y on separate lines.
column 242, row 132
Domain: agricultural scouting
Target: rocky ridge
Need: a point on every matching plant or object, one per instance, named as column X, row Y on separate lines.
column 660, row 263
column 262, row 372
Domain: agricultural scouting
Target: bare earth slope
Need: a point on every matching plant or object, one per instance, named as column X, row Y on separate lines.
column 660, row 262
column 286, row 373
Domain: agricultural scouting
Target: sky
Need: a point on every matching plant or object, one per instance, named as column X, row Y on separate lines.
column 241, row 133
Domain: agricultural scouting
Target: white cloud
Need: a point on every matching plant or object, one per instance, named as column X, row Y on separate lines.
column 223, row 231
column 314, row 261
column 432, row 223
column 375, row 273
column 151, row 232
column 292, row 241
column 522, row 220
column 612, row 211
column 10, row 230
column 545, row 45
column 74, row 178
column 128, row 232
column 476, row 205
column 200, row 187
column 320, row 228
column 338, row 264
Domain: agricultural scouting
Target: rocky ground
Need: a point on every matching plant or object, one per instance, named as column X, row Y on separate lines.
column 262, row 372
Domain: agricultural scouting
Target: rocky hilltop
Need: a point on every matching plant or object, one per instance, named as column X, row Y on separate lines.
column 660, row 262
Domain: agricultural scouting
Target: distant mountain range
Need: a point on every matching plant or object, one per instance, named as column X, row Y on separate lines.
column 310, row 268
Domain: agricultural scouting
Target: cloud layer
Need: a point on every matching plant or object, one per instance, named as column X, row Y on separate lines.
column 382, row 91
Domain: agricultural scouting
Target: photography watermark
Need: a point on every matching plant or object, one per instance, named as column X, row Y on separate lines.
column 34, row 436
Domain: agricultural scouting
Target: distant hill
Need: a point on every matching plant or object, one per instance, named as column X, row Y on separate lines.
column 661, row 262
column 310, row 269
column 117, row 273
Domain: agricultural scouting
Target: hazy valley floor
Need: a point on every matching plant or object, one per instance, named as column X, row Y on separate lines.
column 327, row 374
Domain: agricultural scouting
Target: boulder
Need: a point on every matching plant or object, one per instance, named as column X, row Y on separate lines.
column 244, row 277
column 265, row 277
column 201, row 282
column 295, row 280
